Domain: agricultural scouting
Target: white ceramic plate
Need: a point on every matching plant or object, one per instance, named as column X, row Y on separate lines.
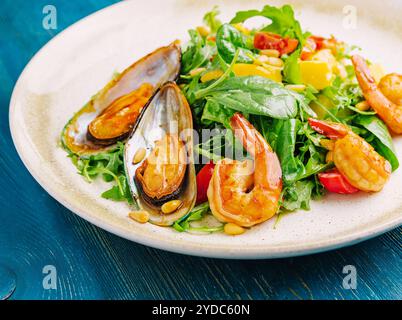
column 80, row 60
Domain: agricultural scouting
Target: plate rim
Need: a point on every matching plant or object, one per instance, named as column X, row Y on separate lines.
column 171, row 246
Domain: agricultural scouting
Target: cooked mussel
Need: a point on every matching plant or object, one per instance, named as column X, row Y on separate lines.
column 160, row 177
column 163, row 176
column 112, row 113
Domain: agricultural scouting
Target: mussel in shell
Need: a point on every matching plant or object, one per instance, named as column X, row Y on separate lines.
column 112, row 113
column 160, row 177
column 166, row 173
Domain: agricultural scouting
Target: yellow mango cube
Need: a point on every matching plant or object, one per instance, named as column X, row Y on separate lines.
column 266, row 71
column 316, row 73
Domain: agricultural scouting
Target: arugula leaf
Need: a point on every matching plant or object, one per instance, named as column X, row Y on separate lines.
column 197, row 54
column 216, row 112
column 109, row 165
column 383, row 142
column 228, row 40
column 282, row 19
column 198, row 212
column 298, row 195
column 211, row 20
column 255, row 95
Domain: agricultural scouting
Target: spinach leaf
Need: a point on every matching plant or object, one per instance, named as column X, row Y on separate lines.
column 383, row 142
column 228, row 40
column 285, row 146
column 255, row 95
column 282, row 19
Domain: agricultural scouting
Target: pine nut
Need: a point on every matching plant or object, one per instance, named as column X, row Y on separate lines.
column 171, row 206
column 296, row 87
column 261, row 60
column 139, row 155
column 139, row 216
column 270, row 53
column 196, row 71
column 233, row 229
column 363, row 106
column 275, row 62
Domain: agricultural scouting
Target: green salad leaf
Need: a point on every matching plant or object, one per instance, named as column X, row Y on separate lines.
column 228, row 40
column 255, row 95
column 197, row 53
column 283, row 21
column 298, row 195
column 110, row 166
column 216, row 112
column 197, row 214
column 291, row 70
column 211, row 20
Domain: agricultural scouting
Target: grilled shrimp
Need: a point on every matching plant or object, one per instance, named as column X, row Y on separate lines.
column 246, row 192
column 385, row 98
column 354, row 157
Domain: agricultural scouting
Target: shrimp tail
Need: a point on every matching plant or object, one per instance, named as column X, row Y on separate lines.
column 363, row 75
column 388, row 111
column 256, row 145
column 331, row 130
column 251, row 139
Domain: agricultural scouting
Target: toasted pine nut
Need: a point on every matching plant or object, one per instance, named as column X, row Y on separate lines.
column 270, row 53
column 139, row 155
column 276, row 62
column 139, row 216
column 327, row 144
column 196, row 71
column 329, row 157
column 296, row 87
column 261, row 60
column 204, row 31
column 363, row 106
column 233, row 229
column 171, row 206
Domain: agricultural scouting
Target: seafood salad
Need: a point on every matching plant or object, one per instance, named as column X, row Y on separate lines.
column 239, row 125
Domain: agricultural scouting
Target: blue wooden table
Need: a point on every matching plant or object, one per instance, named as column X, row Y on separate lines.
column 36, row 231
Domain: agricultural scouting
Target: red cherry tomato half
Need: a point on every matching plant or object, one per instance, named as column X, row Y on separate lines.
column 335, row 182
column 203, row 178
column 267, row 40
column 290, row 46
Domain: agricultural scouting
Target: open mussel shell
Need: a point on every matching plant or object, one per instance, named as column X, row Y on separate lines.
column 165, row 171
column 112, row 113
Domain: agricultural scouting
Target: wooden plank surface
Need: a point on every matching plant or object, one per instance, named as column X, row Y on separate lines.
column 36, row 231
